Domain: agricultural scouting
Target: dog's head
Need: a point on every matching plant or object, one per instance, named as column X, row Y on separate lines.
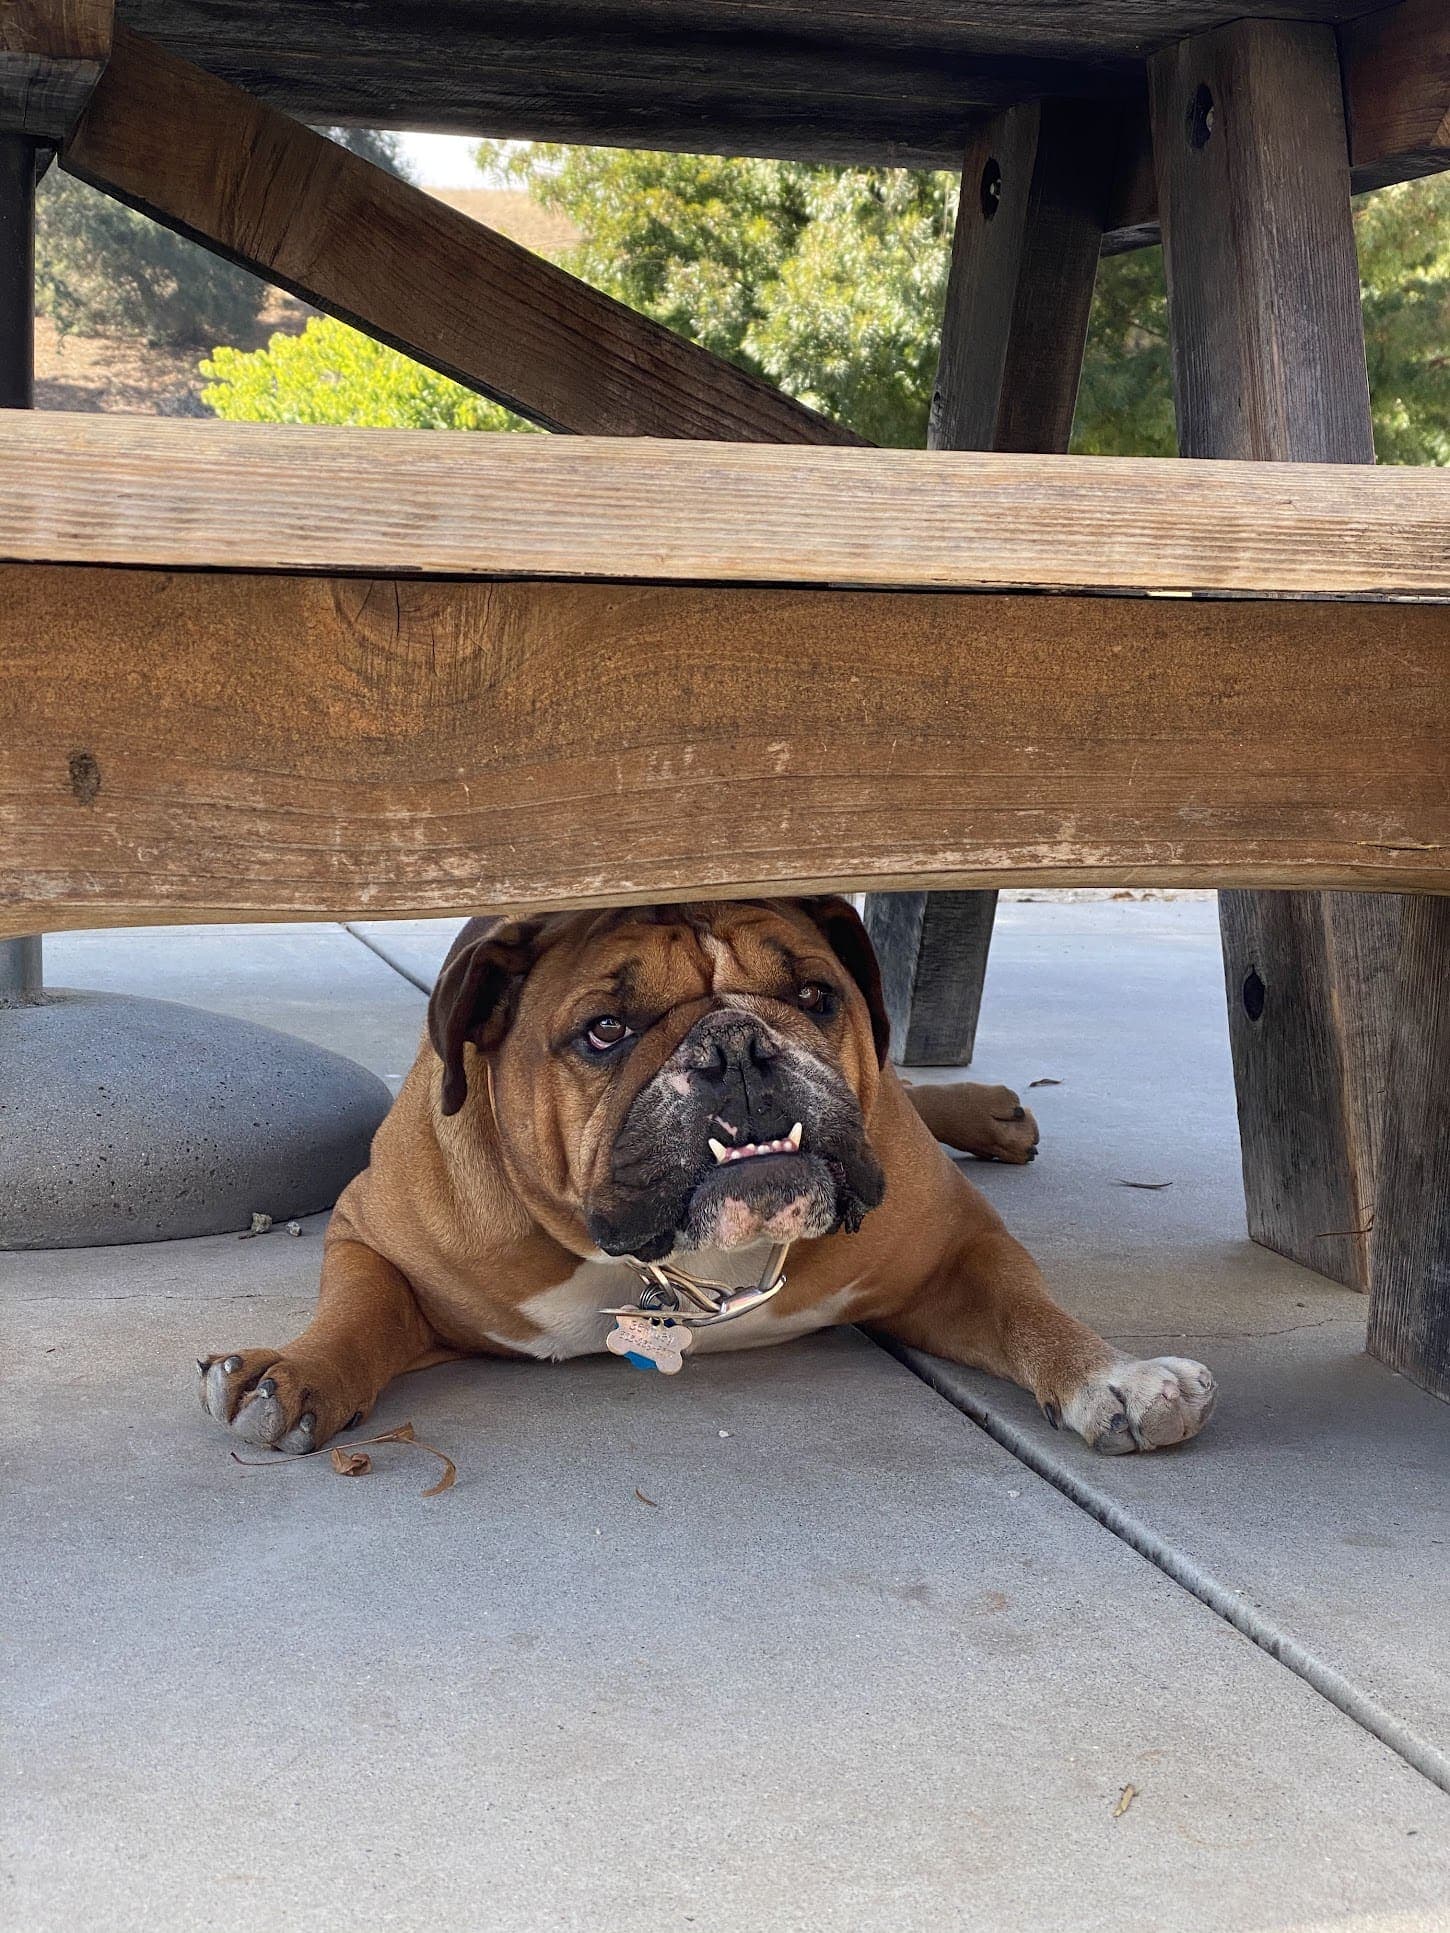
column 673, row 1077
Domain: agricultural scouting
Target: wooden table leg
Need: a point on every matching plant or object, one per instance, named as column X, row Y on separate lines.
column 1035, row 187
column 1409, row 1315
column 1268, row 356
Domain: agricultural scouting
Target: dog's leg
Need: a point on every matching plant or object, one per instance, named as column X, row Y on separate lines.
column 987, row 1306
column 989, row 1122
column 368, row 1329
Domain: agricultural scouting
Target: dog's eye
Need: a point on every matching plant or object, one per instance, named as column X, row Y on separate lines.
column 816, row 999
column 606, row 1032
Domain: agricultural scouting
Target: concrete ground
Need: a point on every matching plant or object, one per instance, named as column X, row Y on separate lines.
column 873, row 1657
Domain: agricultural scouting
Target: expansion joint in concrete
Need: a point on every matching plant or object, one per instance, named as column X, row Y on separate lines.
column 1211, row 1591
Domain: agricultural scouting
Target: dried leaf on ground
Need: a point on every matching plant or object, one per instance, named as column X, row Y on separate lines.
column 344, row 1454
column 644, row 1499
column 1046, row 1081
column 1152, row 1187
column 1125, row 1799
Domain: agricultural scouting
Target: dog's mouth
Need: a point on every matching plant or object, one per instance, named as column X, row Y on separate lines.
column 756, row 1150
column 758, row 1188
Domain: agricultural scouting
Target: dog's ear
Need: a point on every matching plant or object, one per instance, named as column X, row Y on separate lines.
column 476, row 992
column 851, row 943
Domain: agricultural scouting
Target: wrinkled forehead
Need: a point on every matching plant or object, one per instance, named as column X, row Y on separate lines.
column 657, row 957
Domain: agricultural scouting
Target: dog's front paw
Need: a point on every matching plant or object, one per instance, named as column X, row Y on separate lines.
column 279, row 1402
column 1142, row 1405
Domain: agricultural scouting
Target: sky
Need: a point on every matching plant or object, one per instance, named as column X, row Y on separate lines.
column 442, row 160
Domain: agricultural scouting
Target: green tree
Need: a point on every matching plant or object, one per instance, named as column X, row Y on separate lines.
column 332, row 374
column 103, row 270
column 831, row 283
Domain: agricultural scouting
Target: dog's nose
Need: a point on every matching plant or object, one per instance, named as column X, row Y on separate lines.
column 737, row 1046
column 735, row 1059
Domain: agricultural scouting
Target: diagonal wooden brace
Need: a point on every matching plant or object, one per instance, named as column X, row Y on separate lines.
column 206, row 159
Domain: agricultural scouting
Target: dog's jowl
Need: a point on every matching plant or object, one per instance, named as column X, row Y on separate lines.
column 669, row 1130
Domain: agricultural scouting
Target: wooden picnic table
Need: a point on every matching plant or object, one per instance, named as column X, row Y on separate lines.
column 253, row 672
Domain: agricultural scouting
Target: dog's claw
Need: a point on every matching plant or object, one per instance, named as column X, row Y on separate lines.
column 231, row 1365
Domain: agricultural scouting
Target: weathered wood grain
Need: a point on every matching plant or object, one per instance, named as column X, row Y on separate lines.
column 1035, row 184
column 353, row 240
column 825, row 80
column 51, row 56
column 1396, row 66
column 1409, row 1319
column 243, row 496
column 933, row 950
column 1395, row 70
column 212, row 746
column 1310, row 983
column 1263, row 284
column 1268, row 357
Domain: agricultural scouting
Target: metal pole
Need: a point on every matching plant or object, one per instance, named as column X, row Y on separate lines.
column 20, row 962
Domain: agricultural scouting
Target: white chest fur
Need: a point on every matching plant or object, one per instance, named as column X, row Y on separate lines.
column 570, row 1323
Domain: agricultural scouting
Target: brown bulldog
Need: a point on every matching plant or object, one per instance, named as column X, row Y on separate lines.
column 622, row 1126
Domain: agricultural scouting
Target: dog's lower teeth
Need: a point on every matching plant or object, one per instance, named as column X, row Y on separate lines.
column 790, row 1145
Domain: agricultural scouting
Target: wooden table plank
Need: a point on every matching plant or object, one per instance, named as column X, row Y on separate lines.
column 52, row 53
column 196, row 745
column 1396, row 66
column 118, row 490
column 821, row 80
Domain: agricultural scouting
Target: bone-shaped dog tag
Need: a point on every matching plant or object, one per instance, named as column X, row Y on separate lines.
column 650, row 1341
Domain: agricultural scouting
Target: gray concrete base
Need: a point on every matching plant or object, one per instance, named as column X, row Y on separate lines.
column 130, row 1120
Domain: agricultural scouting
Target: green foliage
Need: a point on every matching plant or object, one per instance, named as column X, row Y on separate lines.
column 831, row 283
column 1403, row 238
column 331, row 374
column 102, row 270
column 1404, row 271
column 1125, row 399
column 827, row 281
